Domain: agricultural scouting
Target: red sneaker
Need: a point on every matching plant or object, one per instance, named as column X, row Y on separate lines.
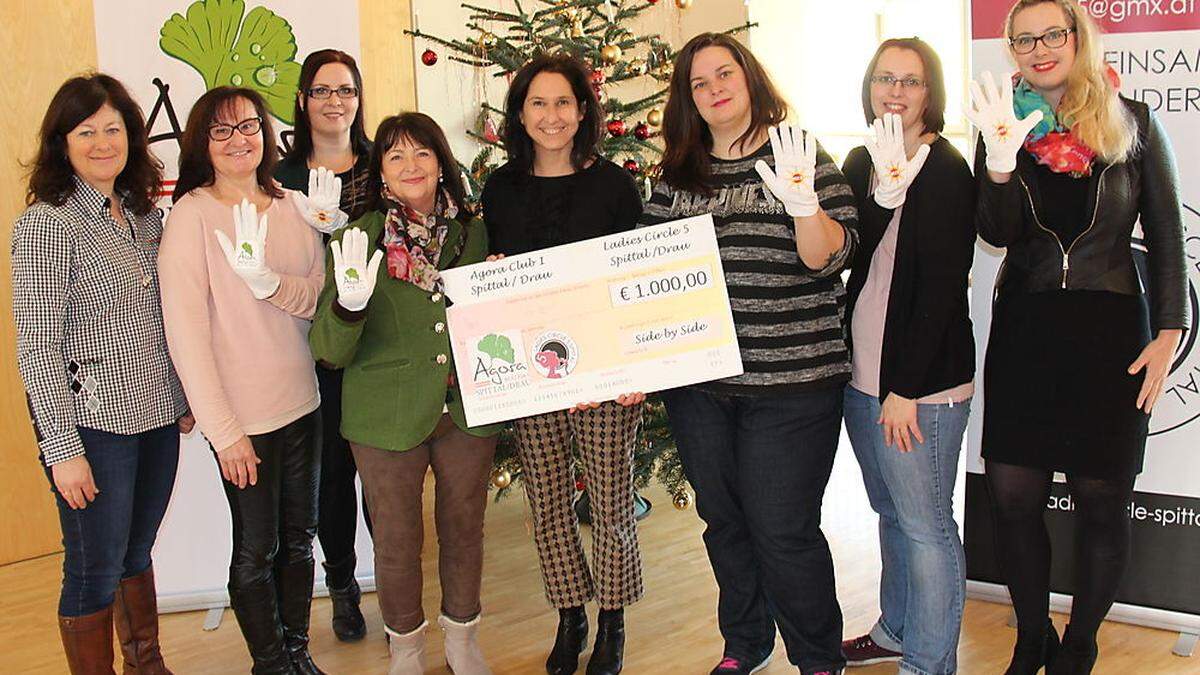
column 864, row 651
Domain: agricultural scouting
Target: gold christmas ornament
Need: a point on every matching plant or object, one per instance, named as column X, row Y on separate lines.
column 577, row 30
column 682, row 500
column 487, row 40
column 654, row 117
column 610, row 53
column 683, row 4
column 501, row 478
column 638, row 67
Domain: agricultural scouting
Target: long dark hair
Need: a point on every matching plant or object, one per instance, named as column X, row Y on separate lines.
column 687, row 138
column 517, row 142
column 421, row 130
column 195, row 164
column 302, row 142
column 51, row 176
column 934, row 117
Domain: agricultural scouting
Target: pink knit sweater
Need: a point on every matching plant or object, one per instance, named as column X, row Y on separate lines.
column 244, row 363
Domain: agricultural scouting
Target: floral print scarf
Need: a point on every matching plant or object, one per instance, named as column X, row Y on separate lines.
column 414, row 241
column 1051, row 142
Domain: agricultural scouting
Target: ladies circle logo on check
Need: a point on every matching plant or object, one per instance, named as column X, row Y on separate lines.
column 554, row 355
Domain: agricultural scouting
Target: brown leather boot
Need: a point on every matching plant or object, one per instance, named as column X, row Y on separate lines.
column 87, row 642
column 135, row 613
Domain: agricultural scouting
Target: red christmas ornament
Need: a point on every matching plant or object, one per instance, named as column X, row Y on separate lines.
column 580, row 486
column 631, row 166
column 598, row 77
column 429, row 57
column 616, row 127
column 642, row 131
column 653, row 2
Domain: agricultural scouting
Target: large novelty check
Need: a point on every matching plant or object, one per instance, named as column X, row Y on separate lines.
column 643, row 310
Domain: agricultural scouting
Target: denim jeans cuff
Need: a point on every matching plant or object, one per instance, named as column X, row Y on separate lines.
column 886, row 638
column 906, row 667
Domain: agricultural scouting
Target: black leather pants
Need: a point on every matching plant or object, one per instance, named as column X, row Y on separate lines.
column 274, row 521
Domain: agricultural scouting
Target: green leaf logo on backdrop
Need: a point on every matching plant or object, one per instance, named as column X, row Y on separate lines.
column 231, row 48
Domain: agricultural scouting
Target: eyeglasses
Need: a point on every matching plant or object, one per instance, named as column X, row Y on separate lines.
column 1053, row 39
column 322, row 92
column 890, row 81
column 223, row 132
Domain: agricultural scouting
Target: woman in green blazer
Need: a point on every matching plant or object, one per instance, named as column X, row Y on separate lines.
column 401, row 410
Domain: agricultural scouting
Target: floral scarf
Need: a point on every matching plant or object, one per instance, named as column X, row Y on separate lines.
column 1050, row 142
column 414, row 240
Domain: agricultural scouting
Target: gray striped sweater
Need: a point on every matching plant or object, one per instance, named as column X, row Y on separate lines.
column 789, row 318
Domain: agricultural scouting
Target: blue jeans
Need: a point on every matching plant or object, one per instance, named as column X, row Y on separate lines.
column 111, row 539
column 759, row 466
column 923, row 587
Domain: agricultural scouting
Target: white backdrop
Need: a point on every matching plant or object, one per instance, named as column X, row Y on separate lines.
column 1154, row 50
column 191, row 558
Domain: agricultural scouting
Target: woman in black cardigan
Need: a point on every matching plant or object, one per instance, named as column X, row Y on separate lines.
column 912, row 354
column 1075, row 361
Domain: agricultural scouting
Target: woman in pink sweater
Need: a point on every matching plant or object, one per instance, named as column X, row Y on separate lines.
column 237, row 305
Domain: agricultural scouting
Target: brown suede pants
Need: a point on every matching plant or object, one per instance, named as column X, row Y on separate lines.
column 393, row 483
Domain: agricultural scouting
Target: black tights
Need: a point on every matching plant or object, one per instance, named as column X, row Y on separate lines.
column 1019, row 496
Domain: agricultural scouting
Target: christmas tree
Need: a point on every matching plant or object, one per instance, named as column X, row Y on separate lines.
column 599, row 33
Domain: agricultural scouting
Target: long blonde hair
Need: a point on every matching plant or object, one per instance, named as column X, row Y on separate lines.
column 1090, row 106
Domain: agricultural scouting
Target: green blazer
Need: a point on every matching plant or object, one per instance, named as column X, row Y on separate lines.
column 396, row 352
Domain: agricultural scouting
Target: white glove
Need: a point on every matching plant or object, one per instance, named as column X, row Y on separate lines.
column 320, row 206
column 249, row 258
column 991, row 111
column 894, row 170
column 355, row 277
column 795, row 169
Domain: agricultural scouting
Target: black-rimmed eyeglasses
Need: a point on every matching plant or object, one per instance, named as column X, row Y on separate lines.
column 1053, row 39
column 223, row 132
column 321, row 93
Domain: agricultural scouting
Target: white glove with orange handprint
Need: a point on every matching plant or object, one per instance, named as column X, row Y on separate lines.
column 894, row 170
column 792, row 181
column 991, row 111
column 320, row 206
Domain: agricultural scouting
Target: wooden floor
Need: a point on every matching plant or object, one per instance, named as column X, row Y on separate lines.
column 672, row 630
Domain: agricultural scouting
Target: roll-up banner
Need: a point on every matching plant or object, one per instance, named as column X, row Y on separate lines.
column 1154, row 45
column 168, row 53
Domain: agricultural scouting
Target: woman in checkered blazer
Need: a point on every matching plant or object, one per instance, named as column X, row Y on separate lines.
column 106, row 405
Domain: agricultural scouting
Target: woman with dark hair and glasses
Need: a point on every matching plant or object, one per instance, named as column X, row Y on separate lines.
column 104, row 398
column 329, row 135
column 1078, row 349
column 555, row 189
column 758, row 448
column 912, row 354
column 402, row 412
column 237, row 305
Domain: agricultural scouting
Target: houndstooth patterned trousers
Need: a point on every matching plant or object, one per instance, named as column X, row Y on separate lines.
column 605, row 437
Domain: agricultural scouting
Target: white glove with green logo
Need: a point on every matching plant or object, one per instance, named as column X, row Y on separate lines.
column 894, row 170
column 991, row 111
column 355, row 277
column 320, row 206
column 792, row 181
column 248, row 258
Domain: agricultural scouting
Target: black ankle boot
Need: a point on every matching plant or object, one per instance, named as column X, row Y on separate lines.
column 294, row 582
column 344, row 596
column 610, row 643
column 1033, row 651
column 569, row 641
column 1077, row 656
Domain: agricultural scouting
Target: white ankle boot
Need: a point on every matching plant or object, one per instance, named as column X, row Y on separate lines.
column 463, row 655
column 407, row 650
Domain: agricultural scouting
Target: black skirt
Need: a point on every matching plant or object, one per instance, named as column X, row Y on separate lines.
column 1057, row 392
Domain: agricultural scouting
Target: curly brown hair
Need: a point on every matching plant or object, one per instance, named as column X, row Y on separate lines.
column 51, row 176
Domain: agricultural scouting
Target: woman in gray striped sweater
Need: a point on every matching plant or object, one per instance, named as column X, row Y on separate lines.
column 758, row 448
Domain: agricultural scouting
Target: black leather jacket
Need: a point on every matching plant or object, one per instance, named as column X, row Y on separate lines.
column 1100, row 259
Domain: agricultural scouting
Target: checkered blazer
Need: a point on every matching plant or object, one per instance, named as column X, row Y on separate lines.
column 90, row 343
